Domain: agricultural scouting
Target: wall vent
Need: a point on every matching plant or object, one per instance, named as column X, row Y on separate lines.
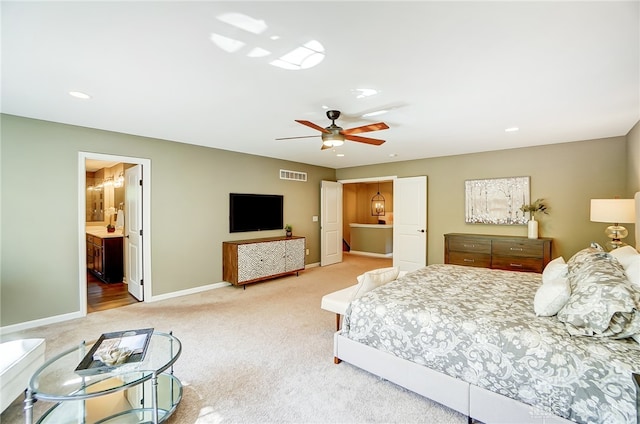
column 293, row 175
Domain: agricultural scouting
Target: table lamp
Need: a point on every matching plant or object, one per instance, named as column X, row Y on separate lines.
column 614, row 211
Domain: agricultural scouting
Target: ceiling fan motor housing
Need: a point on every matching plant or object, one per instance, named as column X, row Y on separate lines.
column 333, row 114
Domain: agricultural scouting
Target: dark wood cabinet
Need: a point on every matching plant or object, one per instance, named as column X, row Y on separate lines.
column 105, row 258
column 511, row 253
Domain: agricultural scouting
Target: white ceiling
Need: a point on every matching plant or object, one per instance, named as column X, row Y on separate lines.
column 455, row 74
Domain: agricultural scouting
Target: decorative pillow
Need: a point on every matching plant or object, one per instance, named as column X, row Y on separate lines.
column 555, row 269
column 375, row 278
column 630, row 260
column 551, row 296
column 603, row 303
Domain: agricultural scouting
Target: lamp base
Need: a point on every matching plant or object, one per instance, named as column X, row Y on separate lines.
column 615, row 233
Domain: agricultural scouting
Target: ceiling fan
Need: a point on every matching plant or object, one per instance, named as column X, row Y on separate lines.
column 333, row 135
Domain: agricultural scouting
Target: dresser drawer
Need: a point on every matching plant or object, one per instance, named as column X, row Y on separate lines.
column 514, row 263
column 517, row 248
column 470, row 244
column 470, row 259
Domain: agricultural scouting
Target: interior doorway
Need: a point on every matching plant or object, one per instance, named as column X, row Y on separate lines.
column 103, row 279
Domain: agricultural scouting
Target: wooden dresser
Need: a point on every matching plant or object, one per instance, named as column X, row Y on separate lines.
column 511, row 253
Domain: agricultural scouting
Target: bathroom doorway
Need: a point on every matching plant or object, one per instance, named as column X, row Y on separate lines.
column 104, row 252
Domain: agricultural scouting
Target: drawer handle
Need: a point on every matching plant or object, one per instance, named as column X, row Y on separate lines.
column 519, row 249
column 468, row 260
column 516, row 265
column 469, row 245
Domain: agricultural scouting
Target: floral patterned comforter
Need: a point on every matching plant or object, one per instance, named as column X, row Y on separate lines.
column 478, row 325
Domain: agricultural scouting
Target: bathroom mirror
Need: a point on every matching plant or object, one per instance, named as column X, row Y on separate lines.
column 104, row 194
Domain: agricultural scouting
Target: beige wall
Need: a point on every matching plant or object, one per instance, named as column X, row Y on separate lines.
column 189, row 211
column 633, row 161
column 568, row 175
column 189, row 203
column 356, row 205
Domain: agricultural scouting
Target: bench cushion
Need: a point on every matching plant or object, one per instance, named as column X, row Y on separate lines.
column 19, row 359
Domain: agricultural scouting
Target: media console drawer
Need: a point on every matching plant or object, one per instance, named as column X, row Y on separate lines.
column 499, row 252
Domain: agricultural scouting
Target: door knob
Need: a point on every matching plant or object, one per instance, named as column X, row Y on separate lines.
column 421, row 231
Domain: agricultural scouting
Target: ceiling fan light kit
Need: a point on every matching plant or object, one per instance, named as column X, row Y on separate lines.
column 334, row 136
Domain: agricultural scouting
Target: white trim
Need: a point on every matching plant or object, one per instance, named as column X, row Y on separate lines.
column 146, row 221
column 188, row 291
column 39, row 322
column 372, row 254
column 369, row 179
column 313, row 265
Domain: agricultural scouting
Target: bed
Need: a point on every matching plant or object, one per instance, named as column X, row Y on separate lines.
column 469, row 338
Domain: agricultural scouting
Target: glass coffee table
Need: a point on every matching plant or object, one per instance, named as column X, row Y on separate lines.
column 145, row 391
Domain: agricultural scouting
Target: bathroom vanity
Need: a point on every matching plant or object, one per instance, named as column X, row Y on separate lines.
column 105, row 254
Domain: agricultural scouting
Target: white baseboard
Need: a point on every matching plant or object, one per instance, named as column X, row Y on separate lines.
column 188, row 291
column 313, row 265
column 73, row 315
column 39, row 322
column 375, row 255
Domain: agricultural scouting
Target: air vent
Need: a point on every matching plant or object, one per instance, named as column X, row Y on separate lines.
column 293, row 175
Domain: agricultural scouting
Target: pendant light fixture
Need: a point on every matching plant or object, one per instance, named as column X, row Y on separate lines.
column 377, row 203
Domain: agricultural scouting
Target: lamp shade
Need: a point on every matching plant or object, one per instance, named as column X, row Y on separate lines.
column 613, row 210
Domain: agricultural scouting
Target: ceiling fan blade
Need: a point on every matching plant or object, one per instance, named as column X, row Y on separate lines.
column 302, row 136
column 324, row 146
column 312, row 125
column 367, row 140
column 366, row 128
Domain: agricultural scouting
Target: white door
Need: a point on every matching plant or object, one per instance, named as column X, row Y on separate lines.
column 133, row 231
column 331, row 223
column 410, row 223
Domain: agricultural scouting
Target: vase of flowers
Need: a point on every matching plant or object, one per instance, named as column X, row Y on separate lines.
column 288, row 230
column 538, row 206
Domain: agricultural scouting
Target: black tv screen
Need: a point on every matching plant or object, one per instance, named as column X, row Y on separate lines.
column 255, row 212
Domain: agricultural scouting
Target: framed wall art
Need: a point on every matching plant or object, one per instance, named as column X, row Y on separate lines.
column 496, row 201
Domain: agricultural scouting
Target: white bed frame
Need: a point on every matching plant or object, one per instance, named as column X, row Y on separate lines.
column 473, row 401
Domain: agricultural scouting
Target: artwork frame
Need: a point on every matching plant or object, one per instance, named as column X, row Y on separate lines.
column 497, row 200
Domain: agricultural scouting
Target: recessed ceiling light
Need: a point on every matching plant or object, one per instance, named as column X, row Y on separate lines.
column 340, row 155
column 512, row 129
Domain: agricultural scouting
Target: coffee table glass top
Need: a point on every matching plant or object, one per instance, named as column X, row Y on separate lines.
column 57, row 380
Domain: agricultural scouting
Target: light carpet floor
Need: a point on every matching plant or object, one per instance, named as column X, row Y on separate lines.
column 260, row 355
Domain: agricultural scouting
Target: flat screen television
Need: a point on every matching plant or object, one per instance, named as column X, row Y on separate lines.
column 255, row 212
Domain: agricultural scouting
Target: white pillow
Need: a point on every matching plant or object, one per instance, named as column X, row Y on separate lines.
column 555, row 269
column 551, row 296
column 629, row 258
column 375, row 278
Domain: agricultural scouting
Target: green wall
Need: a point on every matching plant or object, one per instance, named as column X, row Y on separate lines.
column 189, row 203
column 633, row 161
column 190, row 188
column 567, row 175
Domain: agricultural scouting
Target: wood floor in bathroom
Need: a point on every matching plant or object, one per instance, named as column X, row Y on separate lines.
column 101, row 296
